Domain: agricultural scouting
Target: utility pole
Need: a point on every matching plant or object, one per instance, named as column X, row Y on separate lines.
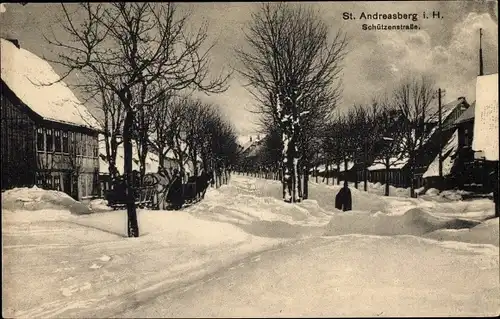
column 440, row 94
column 440, row 135
column 481, row 67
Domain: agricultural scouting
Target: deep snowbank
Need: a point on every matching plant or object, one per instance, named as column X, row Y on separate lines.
column 35, row 198
column 242, row 251
column 413, row 222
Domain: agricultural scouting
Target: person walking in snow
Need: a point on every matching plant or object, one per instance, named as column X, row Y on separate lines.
column 175, row 196
column 343, row 200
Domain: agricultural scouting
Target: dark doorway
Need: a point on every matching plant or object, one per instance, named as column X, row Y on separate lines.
column 67, row 183
column 74, row 187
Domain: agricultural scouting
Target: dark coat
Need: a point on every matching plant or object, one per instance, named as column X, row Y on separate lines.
column 174, row 195
column 343, row 200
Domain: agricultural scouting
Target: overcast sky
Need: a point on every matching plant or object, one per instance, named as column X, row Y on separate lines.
column 446, row 47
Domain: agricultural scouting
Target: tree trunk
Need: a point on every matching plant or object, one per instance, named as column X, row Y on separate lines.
column 412, row 175
column 387, row 166
column 161, row 159
column 365, row 167
column 300, row 179
column 306, row 183
column 133, row 227
column 355, row 172
column 345, row 169
column 195, row 162
column 338, row 173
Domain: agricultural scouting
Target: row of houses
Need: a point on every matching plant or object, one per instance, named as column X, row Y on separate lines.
column 48, row 137
column 463, row 166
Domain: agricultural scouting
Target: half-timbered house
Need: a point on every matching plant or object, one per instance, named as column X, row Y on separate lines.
column 49, row 138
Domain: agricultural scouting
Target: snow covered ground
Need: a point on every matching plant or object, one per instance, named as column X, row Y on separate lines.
column 243, row 252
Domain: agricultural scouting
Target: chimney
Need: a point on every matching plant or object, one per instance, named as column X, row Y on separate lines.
column 250, row 138
column 258, row 137
column 481, row 71
column 15, row 42
column 463, row 103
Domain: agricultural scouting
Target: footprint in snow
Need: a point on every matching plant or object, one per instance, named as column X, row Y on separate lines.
column 255, row 259
column 68, row 291
column 104, row 258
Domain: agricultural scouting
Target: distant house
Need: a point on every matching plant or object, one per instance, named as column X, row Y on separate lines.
column 399, row 173
column 467, row 172
column 49, row 138
column 249, row 153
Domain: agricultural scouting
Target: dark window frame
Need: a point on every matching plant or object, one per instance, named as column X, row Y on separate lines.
column 65, row 142
column 49, row 132
column 40, row 148
column 57, row 141
column 56, row 182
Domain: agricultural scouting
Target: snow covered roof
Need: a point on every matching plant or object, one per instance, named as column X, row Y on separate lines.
column 446, row 110
column 467, row 115
column 29, row 76
column 448, row 160
column 394, row 163
column 486, row 117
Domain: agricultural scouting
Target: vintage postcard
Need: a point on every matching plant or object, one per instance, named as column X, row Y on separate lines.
column 250, row 159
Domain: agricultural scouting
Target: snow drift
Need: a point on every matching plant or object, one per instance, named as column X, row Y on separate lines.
column 413, row 222
column 35, row 198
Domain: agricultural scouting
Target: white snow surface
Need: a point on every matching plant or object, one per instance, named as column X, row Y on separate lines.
column 30, row 78
column 486, row 117
column 243, row 252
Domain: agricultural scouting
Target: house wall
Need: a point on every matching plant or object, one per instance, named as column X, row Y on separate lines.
column 44, row 153
column 469, row 173
column 18, row 145
column 67, row 159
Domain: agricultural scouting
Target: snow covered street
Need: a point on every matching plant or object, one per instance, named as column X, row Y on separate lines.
column 243, row 252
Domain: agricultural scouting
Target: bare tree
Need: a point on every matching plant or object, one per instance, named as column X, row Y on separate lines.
column 290, row 60
column 333, row 145
column 114, row 116
column 387, row 132
column 139, row 51
column 413, row 99
column 162, row 129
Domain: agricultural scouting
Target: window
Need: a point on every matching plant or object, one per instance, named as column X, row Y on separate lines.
column 39, row 180
column 96, row 147
column 48, row 181
column 50, row 140
column 86, row 184
column 57, row 182
column 40, row 139
column 78, row 144
column 57, row 140
column 65, row 145
column 72, row 143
